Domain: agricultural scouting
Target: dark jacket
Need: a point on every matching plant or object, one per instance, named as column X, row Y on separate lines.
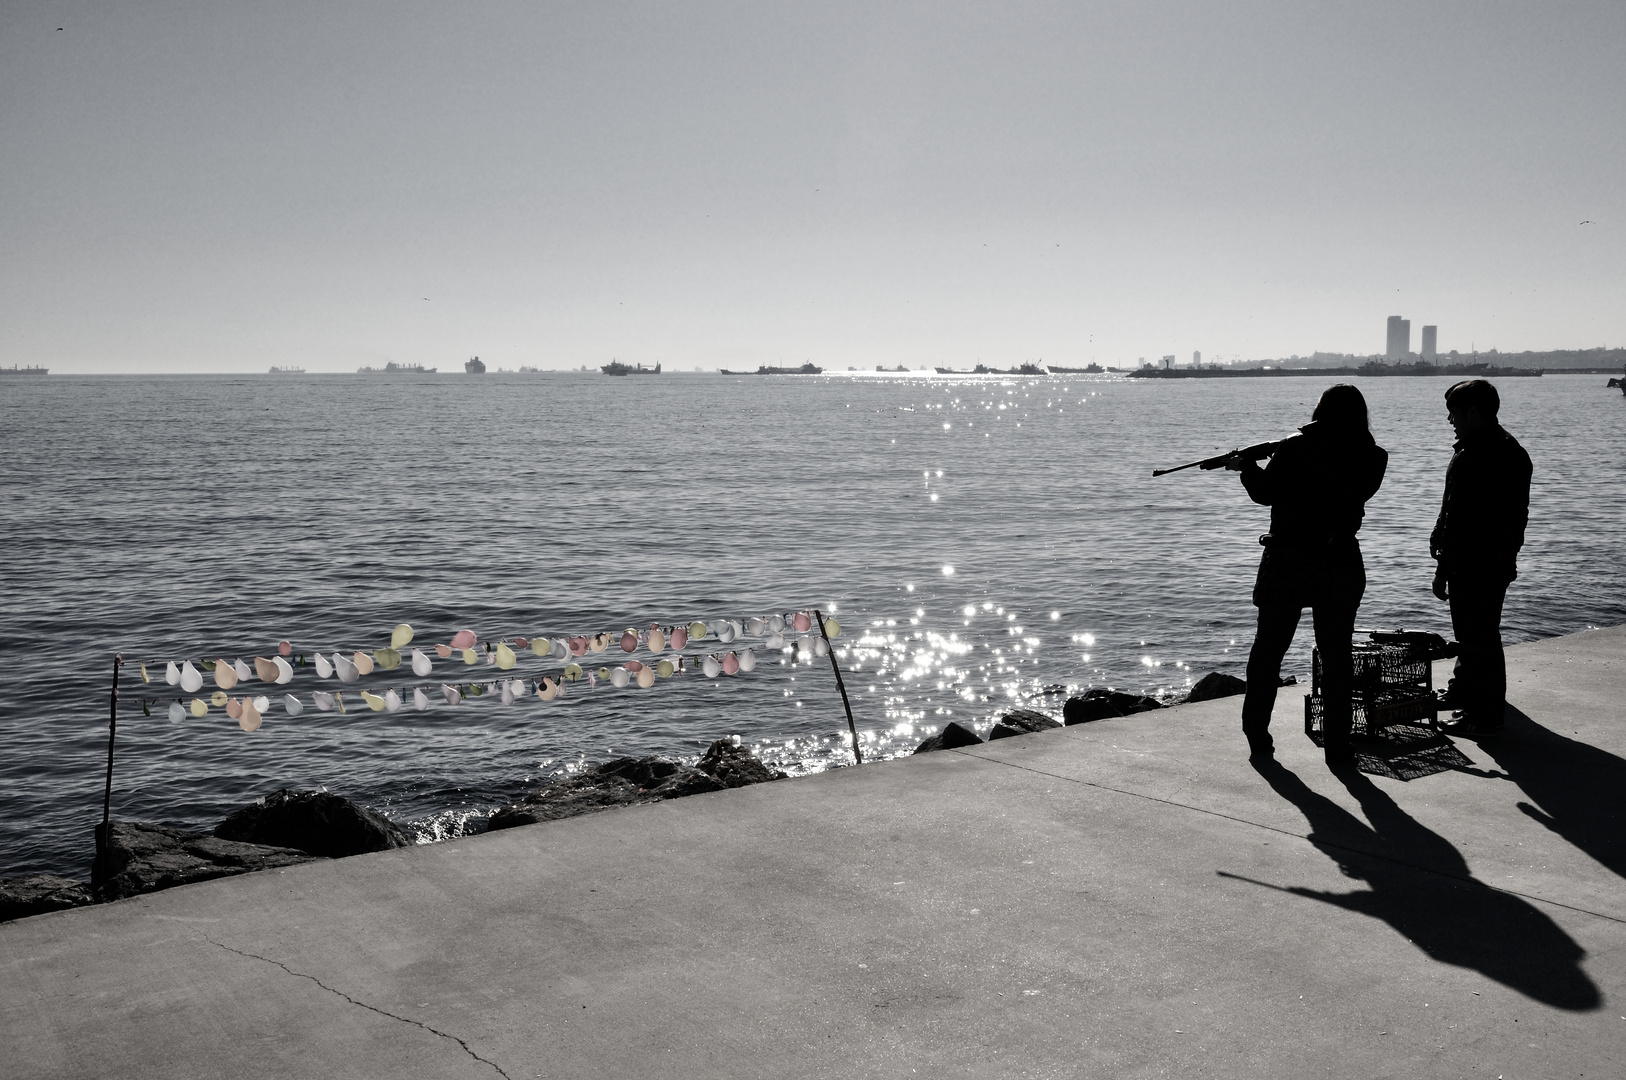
column 1485, row 509
column 1316, row 485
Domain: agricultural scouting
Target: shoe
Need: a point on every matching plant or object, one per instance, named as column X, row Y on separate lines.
column 1466, row 728
column 1260, row 748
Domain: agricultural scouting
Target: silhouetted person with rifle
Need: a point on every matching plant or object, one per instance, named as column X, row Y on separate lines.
column 1477, row 541
column 1316, row 485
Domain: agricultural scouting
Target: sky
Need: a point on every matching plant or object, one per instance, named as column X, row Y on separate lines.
column 224, row 187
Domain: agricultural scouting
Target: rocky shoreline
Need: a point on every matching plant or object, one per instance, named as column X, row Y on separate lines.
column 290, row 827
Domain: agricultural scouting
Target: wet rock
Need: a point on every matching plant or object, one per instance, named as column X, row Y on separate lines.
column 951, row 736
column 140, row 857
column 735, row 766
column 314, row 822
column 1216, row 685
column 622, row 782
column 36, row 894
column 1103, row 702
column 1021, row 722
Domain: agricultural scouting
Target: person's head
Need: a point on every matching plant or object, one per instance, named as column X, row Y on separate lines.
column 1341, row 406
column 1472, row 404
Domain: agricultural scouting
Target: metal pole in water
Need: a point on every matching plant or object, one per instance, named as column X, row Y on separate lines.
column 858, row 755
column 103, row 834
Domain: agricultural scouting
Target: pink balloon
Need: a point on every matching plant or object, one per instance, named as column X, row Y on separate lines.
column 463, row 639
column 578, row 646
column 731, row 664
column 802, row 621
column 629, row 642
column 680, row 637
column 285, row 648
column 633, row 666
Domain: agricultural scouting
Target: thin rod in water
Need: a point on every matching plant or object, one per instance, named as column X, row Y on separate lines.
column 858, row 755
column 103, row 834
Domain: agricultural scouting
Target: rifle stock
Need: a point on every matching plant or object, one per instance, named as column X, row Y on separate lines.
column 1246, row 453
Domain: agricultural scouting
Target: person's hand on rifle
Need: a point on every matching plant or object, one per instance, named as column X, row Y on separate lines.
column 1235, row 462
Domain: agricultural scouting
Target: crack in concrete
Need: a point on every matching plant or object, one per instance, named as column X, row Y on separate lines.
column 364, row 1005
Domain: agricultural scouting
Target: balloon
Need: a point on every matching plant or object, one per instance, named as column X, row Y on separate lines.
column 755, row 625
column 802, row 622
column 172, row 674
column 199, row 707
column 469, row 657
column 373, row 701
column 421, row 664
column 521, row 643
column 646, row 677
column 285, row 647
column 832, row 628
column 250, row 719
column 225, row 675
column 261, row 703
column 443, row 651
column 804, row 644
column 285, row 672
column 603, row 673
column 265, row 669
column 775, row 641
column 242, row 670
column 348, row 672
column 561, row 649
column 573, row 672
column 508, row 691
column 144, row 676
column 177, row 712
column 217, row 698
column 401, row 635
column 578, row 646
column 392, row 700
column 541, row 646
column 323, row 701
column 505, row 657
column 338, row 699
column 451, row 693
column 420, row 700
column 657, row 640
column 776, row 623
column 711, row 667
column 388, row 659
column 547, row 690
column 629, row 642
column 234, row 707
column 731, row 664
column 620, row 677
column 748, row 660
column 463, row 639
column 725, row 632
column 821, row 647
column 633, row 666
column 599, row 643
column 292, row 705
column 664, row 669
column 680, row 637
column 324, row 670
column 363, row 662
column 697, row 631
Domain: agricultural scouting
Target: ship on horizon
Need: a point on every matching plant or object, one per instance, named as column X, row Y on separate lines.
column 392, row 368
column 475, row 366
column 808, row 368
column 287, row 371
column 616, row 367
column 15, row 370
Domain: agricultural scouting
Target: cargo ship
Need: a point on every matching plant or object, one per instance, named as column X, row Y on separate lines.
column 616, row 367
column 474, row 366
column 805, row 369
column 15, row 370
column 391, row 368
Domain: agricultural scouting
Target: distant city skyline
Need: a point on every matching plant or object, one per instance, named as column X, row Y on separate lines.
column 197, row 187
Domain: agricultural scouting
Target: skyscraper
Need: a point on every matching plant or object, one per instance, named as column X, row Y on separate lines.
column 1399, row 338
column 1197, row 358
column 1430, row 337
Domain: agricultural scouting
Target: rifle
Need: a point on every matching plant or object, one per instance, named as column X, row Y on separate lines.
column 1246, row 453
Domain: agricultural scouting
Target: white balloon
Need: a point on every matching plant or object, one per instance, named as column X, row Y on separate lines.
column 560, row 649
column 711, row 667
column 725, row 632
column 285, row 672
column 324, row 670
column 453, row 695
column 172, row 674
column 776, row 623
column 620, row 676
column 508, row 691
column 420, row 700
column 748, row 660
column 755, row 626
column 262, row 703
column 177, row 712
column 244, row 672
column 392, row 700
column 421, row 664
column 348, row 672
column 322, row 701
column 821, row 647
column 191, row 678
column 292, row 705
column 775, row 641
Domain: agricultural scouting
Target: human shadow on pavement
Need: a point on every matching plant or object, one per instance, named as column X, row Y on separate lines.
column 1421, row 885
column 1579, row 791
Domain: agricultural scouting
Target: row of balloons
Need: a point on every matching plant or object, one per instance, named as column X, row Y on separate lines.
column 249, row 710
column 279, row 669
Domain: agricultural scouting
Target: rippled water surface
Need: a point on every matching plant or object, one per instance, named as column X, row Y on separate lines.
column 979, row 539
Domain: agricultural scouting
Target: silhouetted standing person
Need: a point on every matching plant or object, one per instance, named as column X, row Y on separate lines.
column 1316, row 485
column 1477, row 541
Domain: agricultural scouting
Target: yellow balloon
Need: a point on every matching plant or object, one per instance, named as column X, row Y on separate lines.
column 505, row 656
column 468, row 656
column 144, row 676
column 599, row 643
column 832, row 628
column 664, row 669
column 373, row 701
column 401, row 635
column 388, row 659
column 199, row 708
column 604, row 673
column 218, row 698
column 697, row 631
column 573, row 672
column 541, row 646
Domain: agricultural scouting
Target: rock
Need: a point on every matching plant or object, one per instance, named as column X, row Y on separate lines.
column 951, row 736
column 1103, row 702
column 622, row 782
column 36, row 894
column 140, row 857
column 1215, row 685
column 735, row 766
column 314, row 822
column 1021, row 722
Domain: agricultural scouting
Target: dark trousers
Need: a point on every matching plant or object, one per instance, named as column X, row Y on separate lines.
column 1479, row 680
column 1334, row 627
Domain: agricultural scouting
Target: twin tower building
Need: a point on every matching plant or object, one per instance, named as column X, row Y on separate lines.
column 1399, row 346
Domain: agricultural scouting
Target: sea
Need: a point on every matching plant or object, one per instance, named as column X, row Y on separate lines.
column 982, row 543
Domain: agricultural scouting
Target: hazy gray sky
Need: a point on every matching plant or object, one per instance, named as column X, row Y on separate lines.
column 229, row 186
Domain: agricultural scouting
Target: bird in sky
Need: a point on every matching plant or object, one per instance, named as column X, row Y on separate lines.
column 1588, row 221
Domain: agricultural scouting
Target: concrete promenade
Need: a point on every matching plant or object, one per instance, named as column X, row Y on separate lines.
column 1128, row 898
